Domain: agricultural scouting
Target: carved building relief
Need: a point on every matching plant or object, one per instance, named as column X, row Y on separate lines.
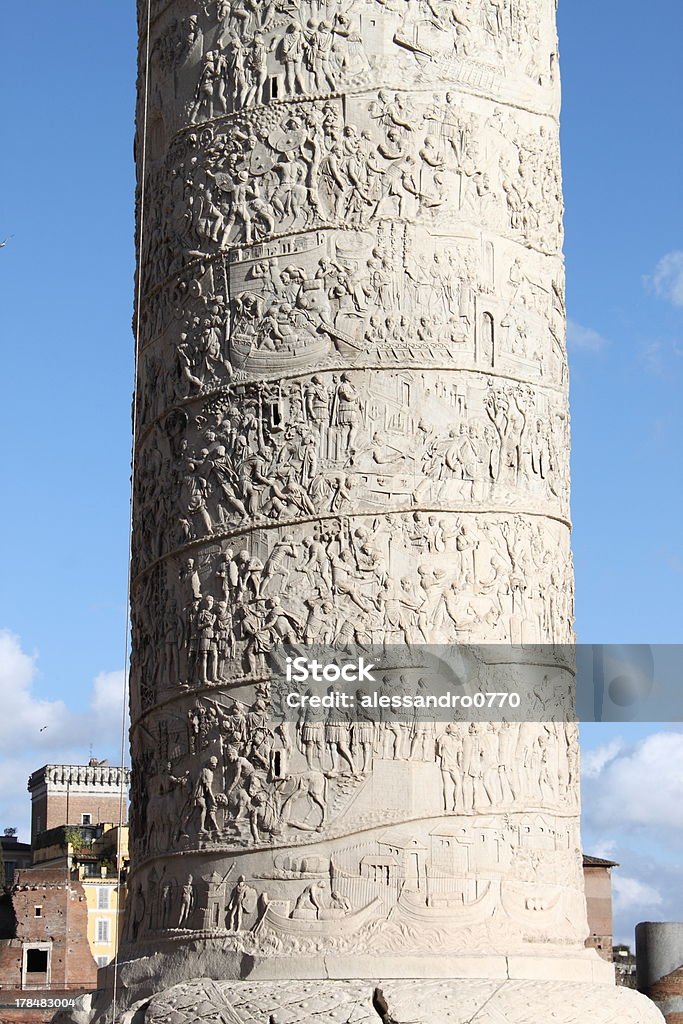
column 352, row 428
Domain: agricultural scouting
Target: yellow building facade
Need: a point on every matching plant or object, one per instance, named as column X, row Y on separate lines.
column 105, row 899
column 104, row 883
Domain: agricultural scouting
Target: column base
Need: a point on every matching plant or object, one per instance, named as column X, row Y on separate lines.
column 420, row 1001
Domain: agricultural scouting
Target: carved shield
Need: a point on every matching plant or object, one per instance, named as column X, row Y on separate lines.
column 284, row 140
column 262, row 160
column 249, row 898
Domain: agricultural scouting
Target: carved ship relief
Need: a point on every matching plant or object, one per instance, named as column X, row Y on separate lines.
column 449, row 911
column 331, row 923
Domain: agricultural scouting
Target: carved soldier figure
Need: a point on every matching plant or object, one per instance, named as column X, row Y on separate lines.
column 319, row 39
column 258, row 68
column 242, row 781
column 311, row 730
column 277, row 564
column 264, row 817
column 471, row 767
column 224, row 637
column 207, row 644
column 187, row 902
column 449, row 751
column 346, row 412
column 337, row 732
column 423, row 742
column 318, row 403
column 203, row 798
column 240, row 901
column 293, row 47
column 364, row 734
column 211, row 93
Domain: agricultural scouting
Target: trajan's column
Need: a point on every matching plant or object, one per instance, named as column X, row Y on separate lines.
column 351, row 427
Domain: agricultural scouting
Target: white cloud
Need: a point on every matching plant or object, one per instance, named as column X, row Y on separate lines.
column 630, row 799
column 604, row 848
column 594, row 761
column 667, row 278
column 638, row 786
column 16, row 667
column 631, row 894
column 25, row 719
column 34, row 731
column 584, row 339
column 107, row 695
column 647, row 887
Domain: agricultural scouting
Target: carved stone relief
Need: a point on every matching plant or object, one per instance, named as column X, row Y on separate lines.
column 460, row 1002
column 352, row 429
column 431, row 163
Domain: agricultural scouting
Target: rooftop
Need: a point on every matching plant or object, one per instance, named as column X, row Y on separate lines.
column 598, row 862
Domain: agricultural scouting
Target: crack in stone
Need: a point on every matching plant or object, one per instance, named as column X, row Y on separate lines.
column 493, row 995
column 381, row 1006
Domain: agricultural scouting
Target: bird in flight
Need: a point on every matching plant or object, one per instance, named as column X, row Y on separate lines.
column 3, row 244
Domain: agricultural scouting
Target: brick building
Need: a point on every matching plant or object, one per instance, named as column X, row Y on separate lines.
column 597, row 875
column 96, row 856
column 13, row 855
column 60, row 918
column 49, row 950
column 69, row 794
column 668, row 995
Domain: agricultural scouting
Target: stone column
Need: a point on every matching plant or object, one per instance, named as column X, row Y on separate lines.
column 351, row 426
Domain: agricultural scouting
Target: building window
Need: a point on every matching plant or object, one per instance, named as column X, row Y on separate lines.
column 102, row 931
column 36, row 961
column 103, row 897
column 102, row 961
column 86, row 819
column 38, row 911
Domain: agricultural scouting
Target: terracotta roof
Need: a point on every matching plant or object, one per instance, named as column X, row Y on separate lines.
column 598, row 862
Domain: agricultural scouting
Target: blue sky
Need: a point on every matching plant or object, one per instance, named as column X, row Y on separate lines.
column 66, row 276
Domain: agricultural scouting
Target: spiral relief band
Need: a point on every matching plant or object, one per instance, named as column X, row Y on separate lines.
column 352, row 429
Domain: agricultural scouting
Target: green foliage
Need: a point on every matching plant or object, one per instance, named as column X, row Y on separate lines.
column 73, row 836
